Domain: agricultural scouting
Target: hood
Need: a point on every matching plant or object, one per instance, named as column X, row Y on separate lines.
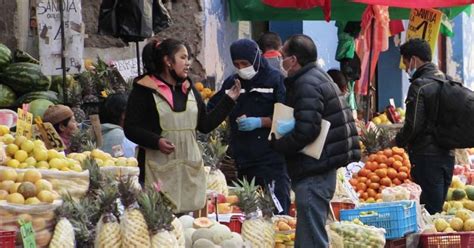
column 107, row 127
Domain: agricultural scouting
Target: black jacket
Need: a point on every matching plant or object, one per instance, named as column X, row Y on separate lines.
column 314, row 96
column 141, row 124
column 417, row 134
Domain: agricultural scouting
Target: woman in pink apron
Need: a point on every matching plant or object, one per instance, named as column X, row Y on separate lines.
column 164, row 112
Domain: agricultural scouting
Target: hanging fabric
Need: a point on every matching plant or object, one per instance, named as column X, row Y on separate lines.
column 373, row 40
column 346, row 43
column 302, row 4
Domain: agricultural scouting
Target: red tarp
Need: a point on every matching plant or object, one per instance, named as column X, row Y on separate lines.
column 302, row 4
column 417, row 3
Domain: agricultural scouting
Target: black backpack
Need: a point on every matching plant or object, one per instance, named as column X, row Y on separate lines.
column 453, row 125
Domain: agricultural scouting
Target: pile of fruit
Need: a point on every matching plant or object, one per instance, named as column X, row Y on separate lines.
column 225, row 204
column 356, row 234
column 25, row 188
column 462, row 221
column 204, row 233
column 206, row 93
column 384, row 169
column 285, row 227
column 460, row 196
column 383, row 118
column 103, row 159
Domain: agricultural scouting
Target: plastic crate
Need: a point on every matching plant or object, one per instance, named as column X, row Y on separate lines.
column 396, row 243
column 235, row 224
column 397, row 218
column 338, row 206
column 447, row 240
column 7, row 239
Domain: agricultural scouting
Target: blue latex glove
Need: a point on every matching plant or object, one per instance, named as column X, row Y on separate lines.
column 284, row 127
column 249, row 123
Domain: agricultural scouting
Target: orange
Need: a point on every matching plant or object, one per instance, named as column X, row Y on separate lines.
column 403, row 169
column 374, row 179
column 402, row 176
column 397, row 181
column 398, row 158
column 387, row 152
column 381, row 158
column 383, row 166
column 386, row 182
column 199, row 86
column 378, row 196
column 392, row 173
column 371, row 192
column 362, row 179
column 361, row 186
column 397, row 164
column 207, row 92
column 372, row 157
column 374, row 186
column 353, row 181
column 365, row 195
column 363, row 172
column 381, row 173
column 371, row 166
column 390, row 161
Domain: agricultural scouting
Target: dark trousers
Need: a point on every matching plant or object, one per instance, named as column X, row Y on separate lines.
column 434, row 175
column 263, row 177
column 313, row 195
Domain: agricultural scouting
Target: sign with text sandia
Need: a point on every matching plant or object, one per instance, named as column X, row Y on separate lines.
column 49, row 30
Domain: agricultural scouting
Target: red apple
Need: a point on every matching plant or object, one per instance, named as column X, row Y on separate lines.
column 210, row 207
column 221, row 198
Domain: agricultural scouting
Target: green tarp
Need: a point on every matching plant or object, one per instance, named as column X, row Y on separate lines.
column 342, row 10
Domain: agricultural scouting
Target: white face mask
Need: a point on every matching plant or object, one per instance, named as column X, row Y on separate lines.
column 248, row 73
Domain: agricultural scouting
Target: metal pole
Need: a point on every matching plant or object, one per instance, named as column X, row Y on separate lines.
column 63, row 48
column 138, row 57
column 369, row 87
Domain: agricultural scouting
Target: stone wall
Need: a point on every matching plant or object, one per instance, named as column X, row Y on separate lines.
column 7, row 23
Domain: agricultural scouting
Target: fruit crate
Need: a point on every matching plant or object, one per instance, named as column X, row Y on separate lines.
column 447, row 240
column 397, row 218
column 338, row 206
column 235, row 224
column 396, row 243
column 7, row 239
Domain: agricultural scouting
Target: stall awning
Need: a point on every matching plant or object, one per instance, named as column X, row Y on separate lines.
column 417, row 3
column 343, row 10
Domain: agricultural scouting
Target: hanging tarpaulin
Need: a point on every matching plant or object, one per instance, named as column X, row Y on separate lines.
column 417, row 3
column 302, row 4
column 48, row 16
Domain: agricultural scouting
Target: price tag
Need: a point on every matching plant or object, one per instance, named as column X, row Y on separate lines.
column 24, row 123
column 274, row 198
column 27, row 234
column 46, row 132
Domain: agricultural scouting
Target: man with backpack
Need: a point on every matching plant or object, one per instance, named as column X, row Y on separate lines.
column 432, row 162
column 314, row 97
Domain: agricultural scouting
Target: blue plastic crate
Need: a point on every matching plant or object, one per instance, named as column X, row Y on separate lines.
column 397, row 218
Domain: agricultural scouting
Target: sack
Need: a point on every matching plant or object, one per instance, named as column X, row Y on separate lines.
column 452, row 125
column 42, row 217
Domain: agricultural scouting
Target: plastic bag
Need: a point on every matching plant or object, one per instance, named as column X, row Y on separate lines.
column 76, row 183
column 216, row 181
column 405, row 191
column 355, row 235
column 42, row 218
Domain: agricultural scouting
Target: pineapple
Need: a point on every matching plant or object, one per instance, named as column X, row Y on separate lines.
column 108, row 228
column 267, row 206
column 178, row 232
column 63, row 231
column 374, row 139
column 159, row 217
column 133, row 226
column 254, row 225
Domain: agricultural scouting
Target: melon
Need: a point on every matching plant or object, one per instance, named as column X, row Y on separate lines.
column 456, row 224
column 458, row 194
column 469, row 225
column 186, row 221
column 7, row 96
column 203, row 233
column 39, row 106
column 203, row 243
column 202, row 222
column 470, row 192
column 188, row 236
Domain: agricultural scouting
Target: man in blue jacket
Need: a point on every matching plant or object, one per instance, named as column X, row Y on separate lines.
column 250, row 120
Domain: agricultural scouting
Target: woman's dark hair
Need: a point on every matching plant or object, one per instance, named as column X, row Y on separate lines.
column 416, row 47
column 303, row 48
column 155, row 51
column 113, row 109
column 64, row 123
column 339, row 78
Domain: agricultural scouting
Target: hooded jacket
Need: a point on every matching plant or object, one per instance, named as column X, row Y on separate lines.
column 257, row 99
column 314, row 96
column 113, row 136
column 421, row 99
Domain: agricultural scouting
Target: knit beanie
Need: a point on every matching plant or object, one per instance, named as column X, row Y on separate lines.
column 245, row 49
column 57, row 113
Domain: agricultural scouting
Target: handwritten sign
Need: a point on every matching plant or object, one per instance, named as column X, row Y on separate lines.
column 24, row 123
column 49, row 29
column 424, row 24
column 127, row 68
column 27, row 234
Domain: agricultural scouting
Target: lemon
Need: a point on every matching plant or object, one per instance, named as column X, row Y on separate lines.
column 52, row 154
column 38, row 143
column 132, row 162
column 30, row 161
column 13, row 163
column 4, row 130
column 11, row 149
column 8, row 139
column 109, row 162
column 56, row 163
column 27, row 146
column 40, row 154
column 42, row 165
column 23, row 165
column 21, row 155
column 19, row 140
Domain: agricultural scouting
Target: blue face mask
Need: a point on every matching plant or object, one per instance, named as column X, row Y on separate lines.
column 411, row 71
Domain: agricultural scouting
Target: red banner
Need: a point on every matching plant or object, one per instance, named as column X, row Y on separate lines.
column 417, row 3
column 302, row 4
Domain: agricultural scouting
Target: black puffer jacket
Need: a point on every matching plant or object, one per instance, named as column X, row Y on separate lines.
column 416, row 133
column 314, row 96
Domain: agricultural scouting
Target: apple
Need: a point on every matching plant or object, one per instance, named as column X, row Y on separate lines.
column 221, row 198
column 210, row 207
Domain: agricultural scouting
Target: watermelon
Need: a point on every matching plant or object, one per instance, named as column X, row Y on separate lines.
column 29, row 97
column 25, row 77
column 39, row 106
column 7, row 96
column 5, row 56
column 22, row 56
